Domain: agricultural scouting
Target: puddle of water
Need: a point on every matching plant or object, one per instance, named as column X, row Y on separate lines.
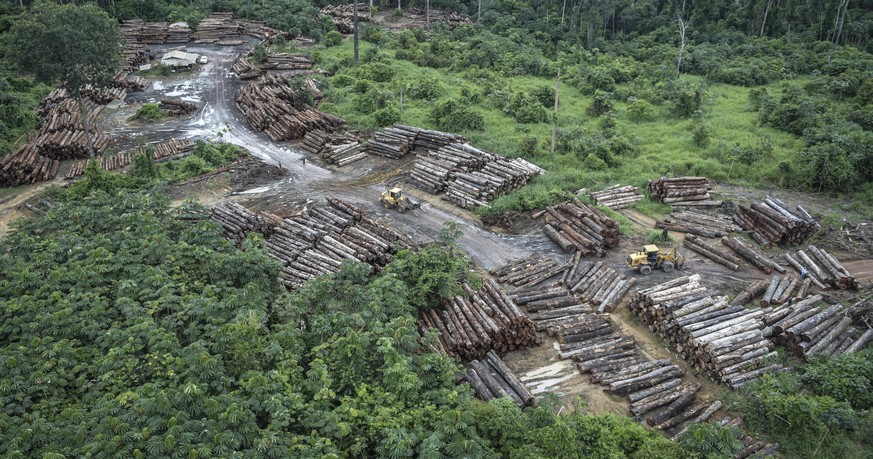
column 158, row 85
column 260, row 189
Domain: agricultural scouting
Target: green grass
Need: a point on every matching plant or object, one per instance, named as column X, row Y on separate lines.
column 664, row 146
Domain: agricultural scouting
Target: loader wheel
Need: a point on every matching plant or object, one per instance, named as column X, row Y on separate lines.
column 401, row 209
column 386, row 205
column 645, row 270
column 668, row 266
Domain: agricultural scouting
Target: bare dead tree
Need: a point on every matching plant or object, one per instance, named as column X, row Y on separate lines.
column 764, row 21
column 842, row 8
column 555, row 114
column 682, row 28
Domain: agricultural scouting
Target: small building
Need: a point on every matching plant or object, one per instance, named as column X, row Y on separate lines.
column 179, row 59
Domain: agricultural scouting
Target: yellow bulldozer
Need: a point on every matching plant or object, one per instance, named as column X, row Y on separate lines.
column 651, row 257
column 395, row 199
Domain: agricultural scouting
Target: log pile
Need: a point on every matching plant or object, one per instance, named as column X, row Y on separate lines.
column 470, row 177
column 269, row 105
column 128, row 82
column 69, row 144
column 160, row 151
column 178, row 33
column 245, row 70
column 716, row 253
column 426, row 139
column 392, row 143
column 344, row 153
column 822, row 268
column 135, row 55
column 578, row 227
column 285, row 61
column 752, row 255
column 728, row 343
column 491, row 379
column 599, row 285
column 218, row 28
column 237, row 222
column 177, row 107
column 258, row 30
column 617, row 197
column 316, row 241
column 773, row 222
column 343, row 16
column 315, row 140
column 416, row 18
column 807, row 330
column 698, row 223
column 25, row 165
column 64, row 115
column 486, row 320
column 528, row 271
column 682, row 191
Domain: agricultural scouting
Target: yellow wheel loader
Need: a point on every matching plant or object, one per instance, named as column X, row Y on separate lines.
column 395, row 199
column 651, row 257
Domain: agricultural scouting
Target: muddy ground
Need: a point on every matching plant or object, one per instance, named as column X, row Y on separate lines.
column 282, row 184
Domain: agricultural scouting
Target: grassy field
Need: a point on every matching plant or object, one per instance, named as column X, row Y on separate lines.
column 663, row 146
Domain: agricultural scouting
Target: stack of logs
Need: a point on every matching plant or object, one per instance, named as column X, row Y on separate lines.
column 486, row 320
column 343, row 154
column 578, row 227
column 699, row 223
column 178, row 33
column 417, row 19
column 269, row 105
column 392, row 143
column 69, row 144
column 161, row 151
column 551, row 306
column 771, row 222
column 599, row 285
column 237, row 222
column 806, row 330
column 128, row 82
column 777, row 291
column 177, row 107
column 135, row 55
column 717, row 254
column 285, row 61
column 822, row 268
column 343, row 16
column 245, row 70
column 729, row 343
column 25, row 165
column 470, row 177
column 316, row 241
column 682, row 191
column 617, row 197
column 491, row 379
column 428, row 140
column 314, row 141
column 752, row 255
column 219, row 29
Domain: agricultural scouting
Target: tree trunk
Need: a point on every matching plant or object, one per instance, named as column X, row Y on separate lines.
column 841, row 19
column 682, row 28
column 555, row 115
column 563, row 9
column 479, row 12
column 427, row 15
column 764, row 21
column 86, row 126
column 355, row 12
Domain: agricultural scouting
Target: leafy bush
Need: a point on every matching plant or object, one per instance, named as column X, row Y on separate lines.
column 375, row 71
column 701, row 132
column 426, row 88
column 639, row 110
column 601, row 104
column 149, row 112
column 526, row 109
column 372, row 100
column 387, row 116
column 686, row 96
column 546, row 95
column 333, row 38
column 709, row 440
column 847, row 378
column 595, row 162
column 794, row 112
column 455, row 116
column 259, row 54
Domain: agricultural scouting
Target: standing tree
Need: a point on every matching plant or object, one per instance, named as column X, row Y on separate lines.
column 79, row 46
column 355, row 13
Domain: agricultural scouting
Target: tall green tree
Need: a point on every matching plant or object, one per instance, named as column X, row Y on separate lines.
column 79, row 46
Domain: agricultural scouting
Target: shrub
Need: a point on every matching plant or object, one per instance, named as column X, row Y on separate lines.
column 387, row 116
column 333, row 38
column 259, row 54
column 527, row 146
column 686, row 96
column 709, row 440
column 846, row 378
column 757, row 98
column 149, row 112
column 701, row 132
column 526, row 109
column 639, row 110
column 426, row 88
column 343, row 80
column 601, row 104
column 375, row 71
column 546, row 96
column 372, row 100
column 595, row 162
column 454, row 115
